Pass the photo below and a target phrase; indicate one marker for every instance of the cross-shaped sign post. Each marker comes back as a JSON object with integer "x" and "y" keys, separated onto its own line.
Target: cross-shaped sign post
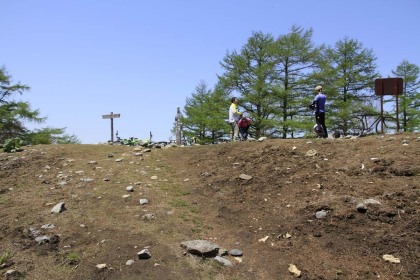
{"x": 111, "y": 116}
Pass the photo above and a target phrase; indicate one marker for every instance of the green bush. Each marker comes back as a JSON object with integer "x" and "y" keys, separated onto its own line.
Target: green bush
{"x": 12, "y": 145}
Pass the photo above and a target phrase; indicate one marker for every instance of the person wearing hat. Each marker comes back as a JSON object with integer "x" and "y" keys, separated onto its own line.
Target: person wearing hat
{"x": 318, "y": 104}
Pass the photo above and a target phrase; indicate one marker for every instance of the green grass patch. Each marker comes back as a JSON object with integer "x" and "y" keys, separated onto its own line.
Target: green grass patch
{"x": 5, "y": 257}
{"x": 73, "y": 258}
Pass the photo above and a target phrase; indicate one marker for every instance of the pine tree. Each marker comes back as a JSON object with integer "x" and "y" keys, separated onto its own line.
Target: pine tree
{"x": 409, "y": 104}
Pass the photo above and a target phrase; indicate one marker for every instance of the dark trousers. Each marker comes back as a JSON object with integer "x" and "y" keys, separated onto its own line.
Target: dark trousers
{"x": 320, "y": 119}
{"x": 244, "y": 132}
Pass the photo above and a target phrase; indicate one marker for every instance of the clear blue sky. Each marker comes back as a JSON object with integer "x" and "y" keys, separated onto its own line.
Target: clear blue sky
{"x": 142, "y": 59}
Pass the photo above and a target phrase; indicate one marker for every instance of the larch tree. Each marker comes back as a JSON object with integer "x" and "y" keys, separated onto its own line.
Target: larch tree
{"x": 409, "y": 104}
{"x": 251, "y": 76}
{"x": 14, "y": 113}
{"x": 296, "y": 57}
{"x": 347, "y": 74}
{"x": 205, "y": 113}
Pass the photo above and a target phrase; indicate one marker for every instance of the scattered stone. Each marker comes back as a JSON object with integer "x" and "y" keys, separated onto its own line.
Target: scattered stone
{"x": 106, "y": 179}
{"x": 287, "y": 235}
{"x": 48, "y": 226}
{"x": 110, "y": 155}
{"x": 42, "y": 239}
{"x": 239, "y": 260}
{"x": 361, "y": 208}
{"x": 311, "y": 153}
{"x": 375, "y": 159}
{"x": 223, "y": 261}
{"x": 119, "y": 160}
{"x": 186, "y": 180}
{"x": 371, "y": 201}
{"x": 13, "y": 274}
{"x": 321, "y": 214}
{"x": 129, "y": 262}
{"x": 143, "y": 201}
{"x": 126, "y": 196}
{"x": 92, "y": 162}
{"x": 391, "y": 258}
{"x": 149, "y": 216}
{"x": 245, "y": 177}
{"x": 261, "y": 139}
{"x": 59, "y": 208}
{"x": 61, "y": 183}
{"x": 201, "y": 248}
{"x": 405, "y": 142}
{"x": 154, "y": 177}
{"x": 264, "y": 239}
{"x": 222, "y": 252}
{"x": 236, "y": 252}
{"x": 294, "y": 270}
{"x": 129, "y": 188}
{"x": 144, "y": 254}
{"x": 101, "y": 266}
{"x": 86, "y": 180}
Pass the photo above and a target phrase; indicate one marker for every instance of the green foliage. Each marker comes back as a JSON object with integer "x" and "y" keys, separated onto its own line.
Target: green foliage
{"x": 12, "y": 145}
{"x": 5, "y": 257}
{"x": 51, "y": 136}
{"x": 13, "y": 114}
{"x": 408, "y": 102}
{"x": 347, "y": 72}
{"x": 274, "y": 80}
{"x": 205, "y": 114}
{"x": 73, "y": 258}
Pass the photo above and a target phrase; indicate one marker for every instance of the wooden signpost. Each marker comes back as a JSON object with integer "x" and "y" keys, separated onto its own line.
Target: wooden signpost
{"x": 389, "y": 86}
{"x": 111, "y": 116}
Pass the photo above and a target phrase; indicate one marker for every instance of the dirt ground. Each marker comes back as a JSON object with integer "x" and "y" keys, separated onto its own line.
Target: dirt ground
{"x": 264, "y": 198}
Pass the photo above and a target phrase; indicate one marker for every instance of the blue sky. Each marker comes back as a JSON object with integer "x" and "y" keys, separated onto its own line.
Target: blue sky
{"x": 142, "y": 59}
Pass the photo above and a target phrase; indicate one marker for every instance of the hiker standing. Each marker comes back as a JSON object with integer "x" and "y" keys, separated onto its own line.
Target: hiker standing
{"x": 319, "y": 105}
{"x": 234, "y": 116}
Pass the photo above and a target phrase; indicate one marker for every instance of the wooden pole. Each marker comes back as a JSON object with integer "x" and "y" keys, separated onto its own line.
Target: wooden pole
{"x": 111, "y": 116}
{"x": 382, "y": 114}
{"x": 398, "y": 123}
{"x": 112, "y": 129}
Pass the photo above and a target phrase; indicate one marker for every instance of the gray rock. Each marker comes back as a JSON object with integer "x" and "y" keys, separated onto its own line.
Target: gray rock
{"x": 144, "y": 254}
{"x": 371, "y": 201}
{"x": 48, "y": 226}
{"x": 143, "y": 201}
{"x": 13, "y": 274}
{"x": 224, "y": 261}
{"x": 149, "y": 216}
{"x": 245, "y": 177}
{"x": 236, "y": 252}
{"x": 321, "y": 214}
{"x": 42, "y": 239}
{"x": 86, "y": 180}
{"x": 129, "y": 262}
{"x": 59, "y": 208}
{"x": 129, "y": 188}
{"x": 201, "y": 248}
{"x": 361, "y": 208}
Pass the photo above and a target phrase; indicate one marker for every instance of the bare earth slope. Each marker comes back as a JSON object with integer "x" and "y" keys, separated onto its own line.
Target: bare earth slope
{"x": 200, "y": 193}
